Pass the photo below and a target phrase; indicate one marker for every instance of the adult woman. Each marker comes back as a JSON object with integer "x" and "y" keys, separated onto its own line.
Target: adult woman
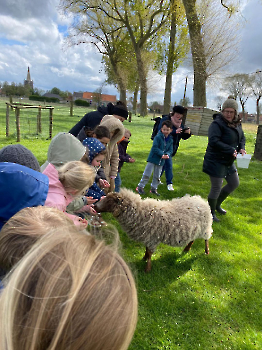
{"x": 225, "y": 140}
{"x": 92, "y": 119}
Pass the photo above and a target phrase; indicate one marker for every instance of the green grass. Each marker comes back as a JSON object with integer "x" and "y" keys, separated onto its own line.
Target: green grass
{"x": 191, "y": 301}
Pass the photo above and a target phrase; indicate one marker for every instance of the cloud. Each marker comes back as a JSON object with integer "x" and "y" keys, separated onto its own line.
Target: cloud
{"x": 33, "y": 33}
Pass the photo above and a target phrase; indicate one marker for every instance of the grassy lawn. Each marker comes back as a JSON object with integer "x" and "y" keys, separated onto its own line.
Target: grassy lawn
{"x": 191, "y": 301}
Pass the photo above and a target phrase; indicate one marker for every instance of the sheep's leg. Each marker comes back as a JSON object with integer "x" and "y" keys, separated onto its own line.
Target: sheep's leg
{"x": 206, "y": 247}
{"x": 148, "y": 264}
{"x": 146, "y": 256}
{"x": 188, "y": 247}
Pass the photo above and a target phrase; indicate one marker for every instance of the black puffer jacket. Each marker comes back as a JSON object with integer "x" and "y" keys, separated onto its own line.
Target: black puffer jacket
{"x": 91, "y": 119}
{"x": 223, "y": 140}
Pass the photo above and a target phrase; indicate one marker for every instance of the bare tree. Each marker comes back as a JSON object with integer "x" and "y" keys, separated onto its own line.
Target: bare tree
{"x": 238, "y": 86}
{"x": 141, "y": 20}
{"x": 213, "y": 40}
{"x": 255, "y": 83}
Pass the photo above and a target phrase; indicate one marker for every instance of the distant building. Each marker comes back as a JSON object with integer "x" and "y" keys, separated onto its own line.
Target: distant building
{"x": 28, "y": 80}
{"x": 92, "y": 97}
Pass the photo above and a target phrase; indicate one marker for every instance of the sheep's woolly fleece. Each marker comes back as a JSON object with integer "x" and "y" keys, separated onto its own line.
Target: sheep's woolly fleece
{"x": 174, "y": 222}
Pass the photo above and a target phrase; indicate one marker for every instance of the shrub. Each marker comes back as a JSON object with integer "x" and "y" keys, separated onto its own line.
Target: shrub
{"x": 44, "y": 98}
{"x": 82, "y": 103}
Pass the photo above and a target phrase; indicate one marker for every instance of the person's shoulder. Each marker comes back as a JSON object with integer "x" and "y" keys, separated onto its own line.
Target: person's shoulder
{"x": 217, "y": 116}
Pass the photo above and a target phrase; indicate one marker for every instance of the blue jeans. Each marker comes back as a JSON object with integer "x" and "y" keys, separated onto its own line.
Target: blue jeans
{"x": 168, "y": 169}
{"x": 117, "y": 182}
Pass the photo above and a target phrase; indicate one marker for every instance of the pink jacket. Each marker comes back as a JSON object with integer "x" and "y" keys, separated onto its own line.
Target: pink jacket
{"x": 57, "y": 196}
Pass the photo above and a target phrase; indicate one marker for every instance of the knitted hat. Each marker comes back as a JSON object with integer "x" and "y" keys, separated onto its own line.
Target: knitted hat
{"x": 230, "y": 103}
{"x": 120, "y": 110}
{"x": 94, "y": 146}
{"x": 179, "y": 109}
{"x": 19, "y": 154}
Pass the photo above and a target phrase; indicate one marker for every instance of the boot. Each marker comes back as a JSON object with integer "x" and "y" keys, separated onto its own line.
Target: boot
{"x": 212, "y": 203}
{"x": 223, "y": 195}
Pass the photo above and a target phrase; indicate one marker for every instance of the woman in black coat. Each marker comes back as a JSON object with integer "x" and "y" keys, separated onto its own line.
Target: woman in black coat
{"x": 225, "y": 140}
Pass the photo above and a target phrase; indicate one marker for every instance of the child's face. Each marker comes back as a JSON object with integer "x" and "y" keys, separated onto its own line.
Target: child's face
{"x": 104, "y": 140}
{"x": 97, "y": 160}
{"x": 165, "y": 130}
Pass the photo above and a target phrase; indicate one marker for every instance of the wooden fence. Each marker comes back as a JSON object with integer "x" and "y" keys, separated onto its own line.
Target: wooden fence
{"x": 18, "y": 107}
{"x": 199, "y": 119}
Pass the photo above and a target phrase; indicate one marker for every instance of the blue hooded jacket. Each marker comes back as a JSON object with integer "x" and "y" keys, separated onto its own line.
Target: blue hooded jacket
{"x": 20, "y": 187}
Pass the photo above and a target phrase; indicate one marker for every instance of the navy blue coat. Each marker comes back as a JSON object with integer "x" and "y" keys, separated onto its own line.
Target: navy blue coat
{"x": 161, "y": 146}
{"x": 91, "y": 120}
{"x": 223, "y": 140}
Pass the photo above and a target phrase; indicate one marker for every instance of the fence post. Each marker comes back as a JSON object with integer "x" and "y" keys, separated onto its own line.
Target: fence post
{"x": 71, "y": 108}
{"x": 17, "y": 119}
{"x": 7, "y": 120}
{"x": 50, "y": 122}
{"x": 39, "y": 121}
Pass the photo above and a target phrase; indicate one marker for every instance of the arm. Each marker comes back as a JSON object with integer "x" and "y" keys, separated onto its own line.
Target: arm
{"x": 76, "y": 204}
{"x": 76, "y": 129}
{"x": 114, "y": 160}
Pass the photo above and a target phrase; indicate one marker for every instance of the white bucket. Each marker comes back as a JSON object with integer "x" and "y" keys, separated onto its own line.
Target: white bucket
{"x": 243, "y": 160}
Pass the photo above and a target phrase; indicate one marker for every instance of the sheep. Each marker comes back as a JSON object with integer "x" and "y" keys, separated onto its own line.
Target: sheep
{"x": 177, "y": 222}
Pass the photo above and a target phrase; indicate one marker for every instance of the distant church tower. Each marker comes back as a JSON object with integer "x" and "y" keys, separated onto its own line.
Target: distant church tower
{"x": 28, "y": 80}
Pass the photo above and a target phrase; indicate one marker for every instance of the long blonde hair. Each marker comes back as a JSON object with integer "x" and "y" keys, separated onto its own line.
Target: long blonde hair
{"x": 76, "y": 175}
{"x": 23, "y": 229}
{"x": 70, "y": 292}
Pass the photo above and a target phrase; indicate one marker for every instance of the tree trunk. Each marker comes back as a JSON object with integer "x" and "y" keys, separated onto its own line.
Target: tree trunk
{"x": 258, "y": 112}
{"x": 122, "y": 95}
{"x": 142, "y": 81}
{"x": 258, "y": 146}
{"x": 198, "y": 53}
{"x": 135, "y": 99}
{"x": 170, "y": 63}
{"x": 120, "y": 82}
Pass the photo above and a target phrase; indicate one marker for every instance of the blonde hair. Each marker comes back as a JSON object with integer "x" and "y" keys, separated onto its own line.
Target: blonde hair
{"x": 76, "y": 175}
{"x": 70, "y": 292}
{"x": 23, "y": 229}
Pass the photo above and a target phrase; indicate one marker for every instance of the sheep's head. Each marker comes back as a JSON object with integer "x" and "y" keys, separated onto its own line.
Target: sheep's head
{"x": 111, "y": 203}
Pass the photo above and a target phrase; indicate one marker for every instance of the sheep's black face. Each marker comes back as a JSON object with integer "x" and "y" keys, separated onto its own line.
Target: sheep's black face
{"x": 107, "y": 204}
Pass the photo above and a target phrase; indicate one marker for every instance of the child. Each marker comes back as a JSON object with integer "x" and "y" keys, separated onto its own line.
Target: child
{"x": 162, "y": 149}
{"x": 68, "y": 181}
{"x": 110, "y": 163}
{"x": 20, "y": 187}
{"x": 97, "y": 152}
{"x": 23, "y": 230}
{"x": 123, "y": 157}
{"x": 19, "y": 154}
{"x": 103, "y": 135}
{"x": 69, "y": 291}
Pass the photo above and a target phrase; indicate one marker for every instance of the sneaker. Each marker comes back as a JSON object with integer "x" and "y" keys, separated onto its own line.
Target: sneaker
{"x": 160, "y": 182}
{"x": 140, "y": 190}
{"x": 170, "y": 187}
{"x": 153, "y": 191}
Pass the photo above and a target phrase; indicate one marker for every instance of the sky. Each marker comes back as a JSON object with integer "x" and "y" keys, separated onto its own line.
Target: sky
{"x": 33, "y": 34}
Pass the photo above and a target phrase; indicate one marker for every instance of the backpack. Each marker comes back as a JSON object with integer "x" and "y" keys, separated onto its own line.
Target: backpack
{"x": 155, "y": 127}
